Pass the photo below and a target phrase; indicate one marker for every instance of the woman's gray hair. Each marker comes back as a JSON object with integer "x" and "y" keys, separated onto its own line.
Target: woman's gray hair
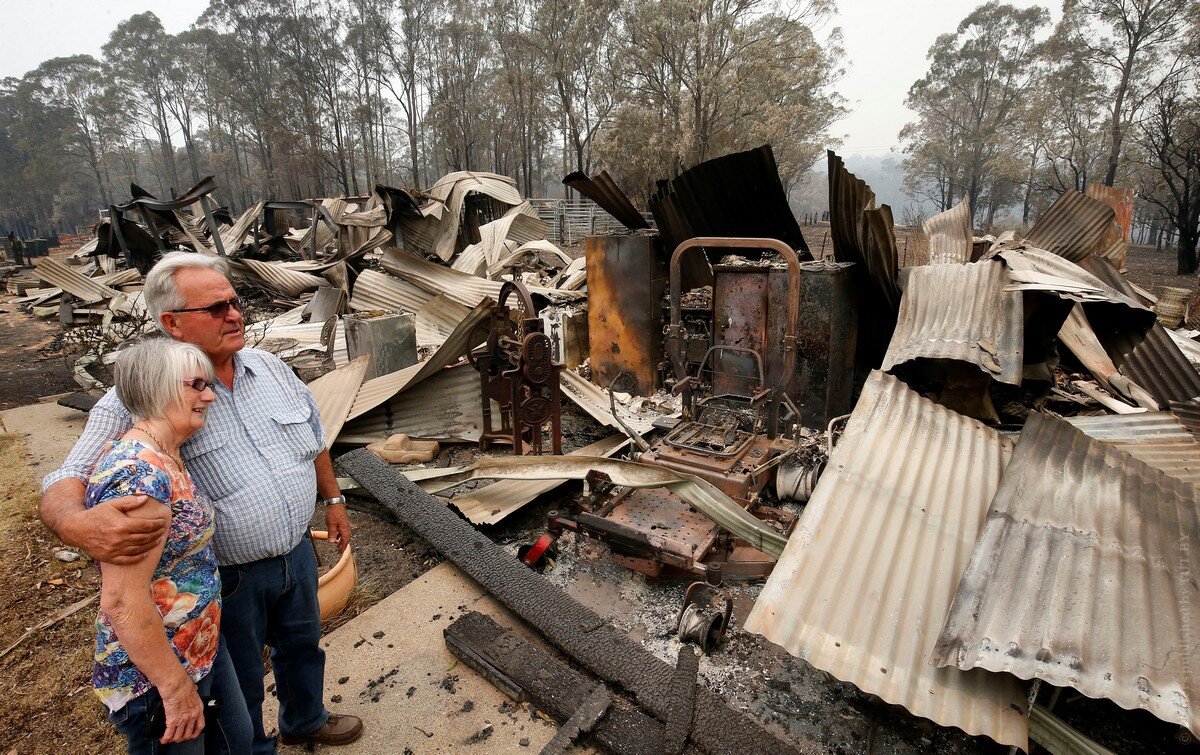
{"x": 149, "y": 376}
{"x": 160, "y": 292}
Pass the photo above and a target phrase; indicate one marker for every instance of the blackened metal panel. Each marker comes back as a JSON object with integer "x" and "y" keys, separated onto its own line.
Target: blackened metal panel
{"x": 826, "y": 338}
{"x": 602, "y": 190}
{"x": 740, "y": 307}
{"x": 627, "y": 278}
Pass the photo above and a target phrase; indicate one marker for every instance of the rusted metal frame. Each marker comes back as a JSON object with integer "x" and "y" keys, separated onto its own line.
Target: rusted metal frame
{"x": 674, "y": 329}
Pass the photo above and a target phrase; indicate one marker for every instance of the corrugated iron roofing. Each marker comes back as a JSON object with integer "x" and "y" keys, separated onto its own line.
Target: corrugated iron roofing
{"x": 950, "y": 237}
{"x": 1072, "y": 227}
{"x": 492, "y": 503}
{"x": 959, "y": 312}
{"x": 874, "y": 560}
{"x": 451, "y": 191}
{"x": 1159, "y": 439}
{"x": 334, "y": 393}
{"x": 602, "y": 190}
{"x": 376, "y": 290}
{"x": 738, "y": 194}
{"x": 1153, "y": 361}
{"x": 465, "y": 289}
{"x": 445, "y": 407}
{"x": 438, "y": 319}
{"x": 290, "y": 283}
{"x": 1083, "y": 576}
{"x": 60, "y": 276}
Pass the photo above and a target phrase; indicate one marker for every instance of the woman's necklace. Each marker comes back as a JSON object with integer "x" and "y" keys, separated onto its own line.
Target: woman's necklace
{"x": 163, "y": 447}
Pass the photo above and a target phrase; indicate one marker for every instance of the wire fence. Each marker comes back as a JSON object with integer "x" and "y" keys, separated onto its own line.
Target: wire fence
{"x": 573, "y": 220}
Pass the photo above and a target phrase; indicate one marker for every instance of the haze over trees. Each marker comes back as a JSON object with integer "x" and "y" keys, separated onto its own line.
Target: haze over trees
{"x": 1012, "y": 112}
{"x": 287, "y": 99}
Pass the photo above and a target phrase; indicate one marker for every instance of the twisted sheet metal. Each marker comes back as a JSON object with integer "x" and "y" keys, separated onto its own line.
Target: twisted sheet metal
{"x": 290, "y": 283}
{"x": 949, "y": 310}
{"x": 444, "y": 407}
{"x": 1114, "y": 244}
{"x": 492, "y": 503}
{"x": 378, "y": 390}
{"x": 950, "y": 238}
{"x": 334, "y": 393}
{"x": 1072, "y": 227}
{"x": 88, "y": 290}
{"x": 872, "y": 564}
{"x": 1083, "y": 576}
{"x": 375, "y": 290}
{"x": 451, "y": 192}
{"x": 437, "y": 320}
{"x": 1152, "y": 360}
{"x": 465, "y": 289}
{"x": 602, "y": 190}
{"x": 1159, "y": 439}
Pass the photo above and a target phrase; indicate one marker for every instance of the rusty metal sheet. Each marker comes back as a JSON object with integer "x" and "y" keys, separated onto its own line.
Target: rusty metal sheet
{"x": 960, "y": 312}
{"x": 950, "y": 237}
{"x": 1072, "y": 227}
{"x": 1114, "y": 244}
{"x": 741, "y": 304}
{"x": 334, "y": 393}
{"x": 602, "y": 190}
{"x": 1083, "y": 576}
{"x": 492, "y": 503}
{"x": 826, "y": 340}
{"x": 627, "y": 277}
{"x": 891, "y": 525}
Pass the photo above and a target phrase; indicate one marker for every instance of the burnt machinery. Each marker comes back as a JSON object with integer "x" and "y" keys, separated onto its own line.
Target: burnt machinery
{"x": 518, "y": 373}
{"x": 738, "y": 425}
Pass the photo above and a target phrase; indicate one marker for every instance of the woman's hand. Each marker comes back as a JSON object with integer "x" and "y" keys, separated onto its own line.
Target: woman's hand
{"x": 185, "y": 714}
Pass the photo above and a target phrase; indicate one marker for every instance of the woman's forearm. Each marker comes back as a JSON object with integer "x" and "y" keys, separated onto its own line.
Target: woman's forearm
{"x": 138, "y": 626}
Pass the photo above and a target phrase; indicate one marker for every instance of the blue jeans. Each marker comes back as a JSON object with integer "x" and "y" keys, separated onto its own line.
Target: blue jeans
{"x": 273, "y": 602}
{"x": 227, "y": 731}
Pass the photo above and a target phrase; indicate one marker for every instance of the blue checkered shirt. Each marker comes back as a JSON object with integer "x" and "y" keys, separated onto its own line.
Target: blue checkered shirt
{"x": 253, "y": 458}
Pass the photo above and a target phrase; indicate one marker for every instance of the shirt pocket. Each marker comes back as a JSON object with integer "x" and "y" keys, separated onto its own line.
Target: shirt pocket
{"x": 212, "y": 470}
{"x": 297, "y": 443}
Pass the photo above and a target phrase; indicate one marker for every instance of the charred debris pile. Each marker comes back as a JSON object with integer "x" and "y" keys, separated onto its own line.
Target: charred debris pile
{"x": 967, "y": 484}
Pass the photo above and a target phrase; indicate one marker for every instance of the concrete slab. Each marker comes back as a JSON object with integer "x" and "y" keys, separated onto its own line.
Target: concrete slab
{"x": 411, "y": 693}
{"x": 49, "y": 429}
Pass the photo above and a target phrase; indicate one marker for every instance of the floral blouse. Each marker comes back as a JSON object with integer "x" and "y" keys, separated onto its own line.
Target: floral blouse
{"x": 186, "y": 587}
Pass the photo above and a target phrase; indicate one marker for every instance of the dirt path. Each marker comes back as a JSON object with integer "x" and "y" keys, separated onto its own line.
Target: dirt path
{"x": 28, "y": 374}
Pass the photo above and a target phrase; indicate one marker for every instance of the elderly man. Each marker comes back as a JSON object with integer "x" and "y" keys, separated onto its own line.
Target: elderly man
{"x": 261, "y": 460}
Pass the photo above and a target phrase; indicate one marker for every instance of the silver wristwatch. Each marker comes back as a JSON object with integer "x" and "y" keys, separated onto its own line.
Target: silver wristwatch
{"x": 333, "y": 501}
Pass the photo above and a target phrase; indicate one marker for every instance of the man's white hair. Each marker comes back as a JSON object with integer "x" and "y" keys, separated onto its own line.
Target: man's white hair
{"x": 149, "y": 376}
{"x": 161, "y": 294}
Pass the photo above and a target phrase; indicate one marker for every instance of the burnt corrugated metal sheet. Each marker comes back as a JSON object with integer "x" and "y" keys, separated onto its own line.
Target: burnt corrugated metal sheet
{"x": 1072, "y": 227}
{"x": 738, "y": 194}
{"x": 1159, "y": 439}
{"x": 960, "y": 312}
{"x": 375, "y": 290}
{"x": 334, "y": 393}
{"x": 950, "y": 237}
{"x": 873, "y": 562}
{"x": 287, "y": 282}
{"x": 465, "y": 289}
{"x": 1083, "y": 576}
{"x": 451, "y": 192}
{"x": 865, "y": 235}
{"x": 57, "y": 274}
{"x": 1153, "y": 361}
{"x": 1114, "y": 245}
{"x": 492, "y": 503}
{"x": 438, "y": 319}
{"x": 378, "y": 390}
{"x": 602, "y": 190}
{"x": 445, "y": 407}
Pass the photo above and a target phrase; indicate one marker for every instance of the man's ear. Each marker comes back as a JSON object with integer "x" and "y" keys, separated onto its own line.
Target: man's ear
{"x": 170, "y": 321}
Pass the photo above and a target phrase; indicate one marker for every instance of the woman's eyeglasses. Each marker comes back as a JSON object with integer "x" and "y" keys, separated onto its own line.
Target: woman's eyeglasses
{"x": 217, "y": 310}
{"x": 198, "y": 384}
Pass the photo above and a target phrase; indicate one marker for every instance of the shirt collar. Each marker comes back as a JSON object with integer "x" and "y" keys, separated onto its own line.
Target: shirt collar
{"x": 242, "y": 365}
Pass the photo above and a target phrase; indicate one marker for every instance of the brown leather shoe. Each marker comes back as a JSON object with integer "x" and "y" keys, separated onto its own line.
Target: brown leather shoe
{"x": 338, "y": 730}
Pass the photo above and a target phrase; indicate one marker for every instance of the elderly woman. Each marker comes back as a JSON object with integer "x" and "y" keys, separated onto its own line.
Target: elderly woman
{"x": 161, "y": 668}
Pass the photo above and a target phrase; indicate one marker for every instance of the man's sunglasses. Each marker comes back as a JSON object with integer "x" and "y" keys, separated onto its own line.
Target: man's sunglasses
{"x": 198, "y": 384}
{"x": 219, "y": 309}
